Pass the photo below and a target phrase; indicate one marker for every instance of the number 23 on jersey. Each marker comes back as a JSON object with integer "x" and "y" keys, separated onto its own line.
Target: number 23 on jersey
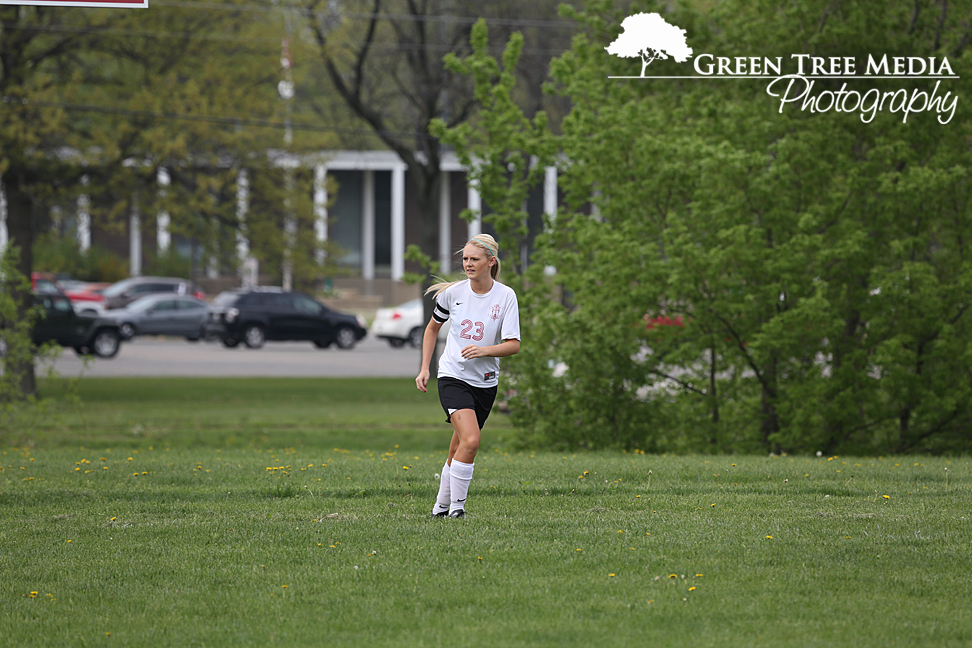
{"x": 467, "y": 326}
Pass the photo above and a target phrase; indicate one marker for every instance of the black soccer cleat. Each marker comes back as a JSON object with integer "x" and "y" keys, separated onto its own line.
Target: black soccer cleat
{"x": 441, "y": 514}
{"x": 457, "y": 514}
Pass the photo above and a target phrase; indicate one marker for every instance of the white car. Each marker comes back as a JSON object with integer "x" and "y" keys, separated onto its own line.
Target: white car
{"x": 400, "y": 324}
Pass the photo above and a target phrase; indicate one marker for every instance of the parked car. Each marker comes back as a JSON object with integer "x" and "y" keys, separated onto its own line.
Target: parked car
{"x": 86, "y": 297}
{"x": 84, "y": 333}
{"x": 44, "y": 283}
{"x": 165, "y": 314}
{"x": 126, "y": 291}
{"x": 400, "y": 325}
{"x": 658, "y": 321}
{"x": 253, "y": 316}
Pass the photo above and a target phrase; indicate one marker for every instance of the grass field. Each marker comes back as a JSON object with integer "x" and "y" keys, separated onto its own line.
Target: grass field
{"x": 223, "y": 513}
{"x": 355, "y": 413}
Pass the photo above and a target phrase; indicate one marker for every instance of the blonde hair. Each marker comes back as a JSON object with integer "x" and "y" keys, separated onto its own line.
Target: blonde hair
{"x": 484, "y": 242}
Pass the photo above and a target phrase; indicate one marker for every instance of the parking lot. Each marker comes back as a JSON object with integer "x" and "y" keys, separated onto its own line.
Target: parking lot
{"x": 154, "y": 356}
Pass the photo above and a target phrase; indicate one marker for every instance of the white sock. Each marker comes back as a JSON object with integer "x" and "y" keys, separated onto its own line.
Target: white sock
{"x": 461, "y": 474}
{"x": 442, "y": 500}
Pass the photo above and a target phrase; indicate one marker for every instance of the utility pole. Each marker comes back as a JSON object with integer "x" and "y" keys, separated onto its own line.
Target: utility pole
{"x": 286, "y": 90}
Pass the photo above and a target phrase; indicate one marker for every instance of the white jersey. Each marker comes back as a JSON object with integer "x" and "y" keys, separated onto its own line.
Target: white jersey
{"x": 483, "y": 320}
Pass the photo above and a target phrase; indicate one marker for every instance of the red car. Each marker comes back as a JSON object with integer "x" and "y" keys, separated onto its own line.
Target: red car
{"x": 663, "y": 320}
{"x": 85, "y": 297}
{"x": 44, "y": 283}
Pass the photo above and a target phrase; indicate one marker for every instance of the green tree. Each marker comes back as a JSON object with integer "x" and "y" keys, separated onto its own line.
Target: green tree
{"x": 387, "y": 65}
{"x": 98, "y": 101}
{"x": 16, "y": 347}
{"x": 817, "y": 262}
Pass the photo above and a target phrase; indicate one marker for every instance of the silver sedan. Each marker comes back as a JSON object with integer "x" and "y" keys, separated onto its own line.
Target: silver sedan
{"x": 177, "y": 315}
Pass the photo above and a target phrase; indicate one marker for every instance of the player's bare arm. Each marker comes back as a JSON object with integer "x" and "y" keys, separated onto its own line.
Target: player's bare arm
{"x": 428, "y": 346}
{"x": 503, "y": 350}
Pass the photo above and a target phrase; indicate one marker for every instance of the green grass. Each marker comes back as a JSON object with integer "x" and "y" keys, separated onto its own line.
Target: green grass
{"x": 359, "y": 413}
{"x": 159, "y": 541}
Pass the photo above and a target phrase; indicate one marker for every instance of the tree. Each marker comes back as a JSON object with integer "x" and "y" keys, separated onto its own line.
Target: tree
{"x": 392, "y": 76}
{"x": 648, "y": 36}
{"x": 98, "y": 101}
{"x": 818, "y": 262}
{"x": 16, "y": 345}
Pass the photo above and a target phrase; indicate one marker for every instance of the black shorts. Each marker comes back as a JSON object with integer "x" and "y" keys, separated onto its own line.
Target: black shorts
{"x": 455, "y": 394}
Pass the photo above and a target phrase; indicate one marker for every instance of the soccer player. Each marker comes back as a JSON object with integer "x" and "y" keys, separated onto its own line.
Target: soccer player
{"x": 485, "y": 327}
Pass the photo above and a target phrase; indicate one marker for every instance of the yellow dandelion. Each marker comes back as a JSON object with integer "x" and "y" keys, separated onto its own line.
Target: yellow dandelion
{"x": 611, "y": 575}
{"x": 692, "y": 589}
{"x": 886, "y": 496}
{"x": 769, "y": 537}
{"x": 698, "y": 575}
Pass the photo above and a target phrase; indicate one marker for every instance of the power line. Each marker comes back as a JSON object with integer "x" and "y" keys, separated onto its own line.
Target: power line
{"x": 224, "y": 121}
{"x": 461, "y": 20}
{"x": 67, "y": 29}
{"x": 530, "y": 51}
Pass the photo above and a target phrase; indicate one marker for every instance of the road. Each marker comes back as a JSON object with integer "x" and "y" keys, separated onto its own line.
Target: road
{"x": 154, "y": 356}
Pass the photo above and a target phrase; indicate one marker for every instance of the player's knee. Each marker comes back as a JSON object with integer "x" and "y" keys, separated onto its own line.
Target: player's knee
{"x": 468, "y": 428}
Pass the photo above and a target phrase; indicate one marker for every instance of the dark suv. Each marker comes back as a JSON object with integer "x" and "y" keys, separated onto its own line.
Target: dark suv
{"x": 253, "y": 316}
{"x": 84, "y": 333}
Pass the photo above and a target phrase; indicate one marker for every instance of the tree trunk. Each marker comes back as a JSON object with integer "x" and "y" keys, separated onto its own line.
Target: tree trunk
{"x": 20, "y": 229}
{"x": 770, "y": 417}
{"x": 713, "y": 396}
{"x": 425, "y": 183}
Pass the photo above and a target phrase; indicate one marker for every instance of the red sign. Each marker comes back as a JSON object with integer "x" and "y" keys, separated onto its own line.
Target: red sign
{"x": 132, "y": 4}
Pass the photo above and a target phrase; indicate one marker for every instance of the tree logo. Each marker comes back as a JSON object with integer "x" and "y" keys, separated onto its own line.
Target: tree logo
{"x": 648, "y": 36}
